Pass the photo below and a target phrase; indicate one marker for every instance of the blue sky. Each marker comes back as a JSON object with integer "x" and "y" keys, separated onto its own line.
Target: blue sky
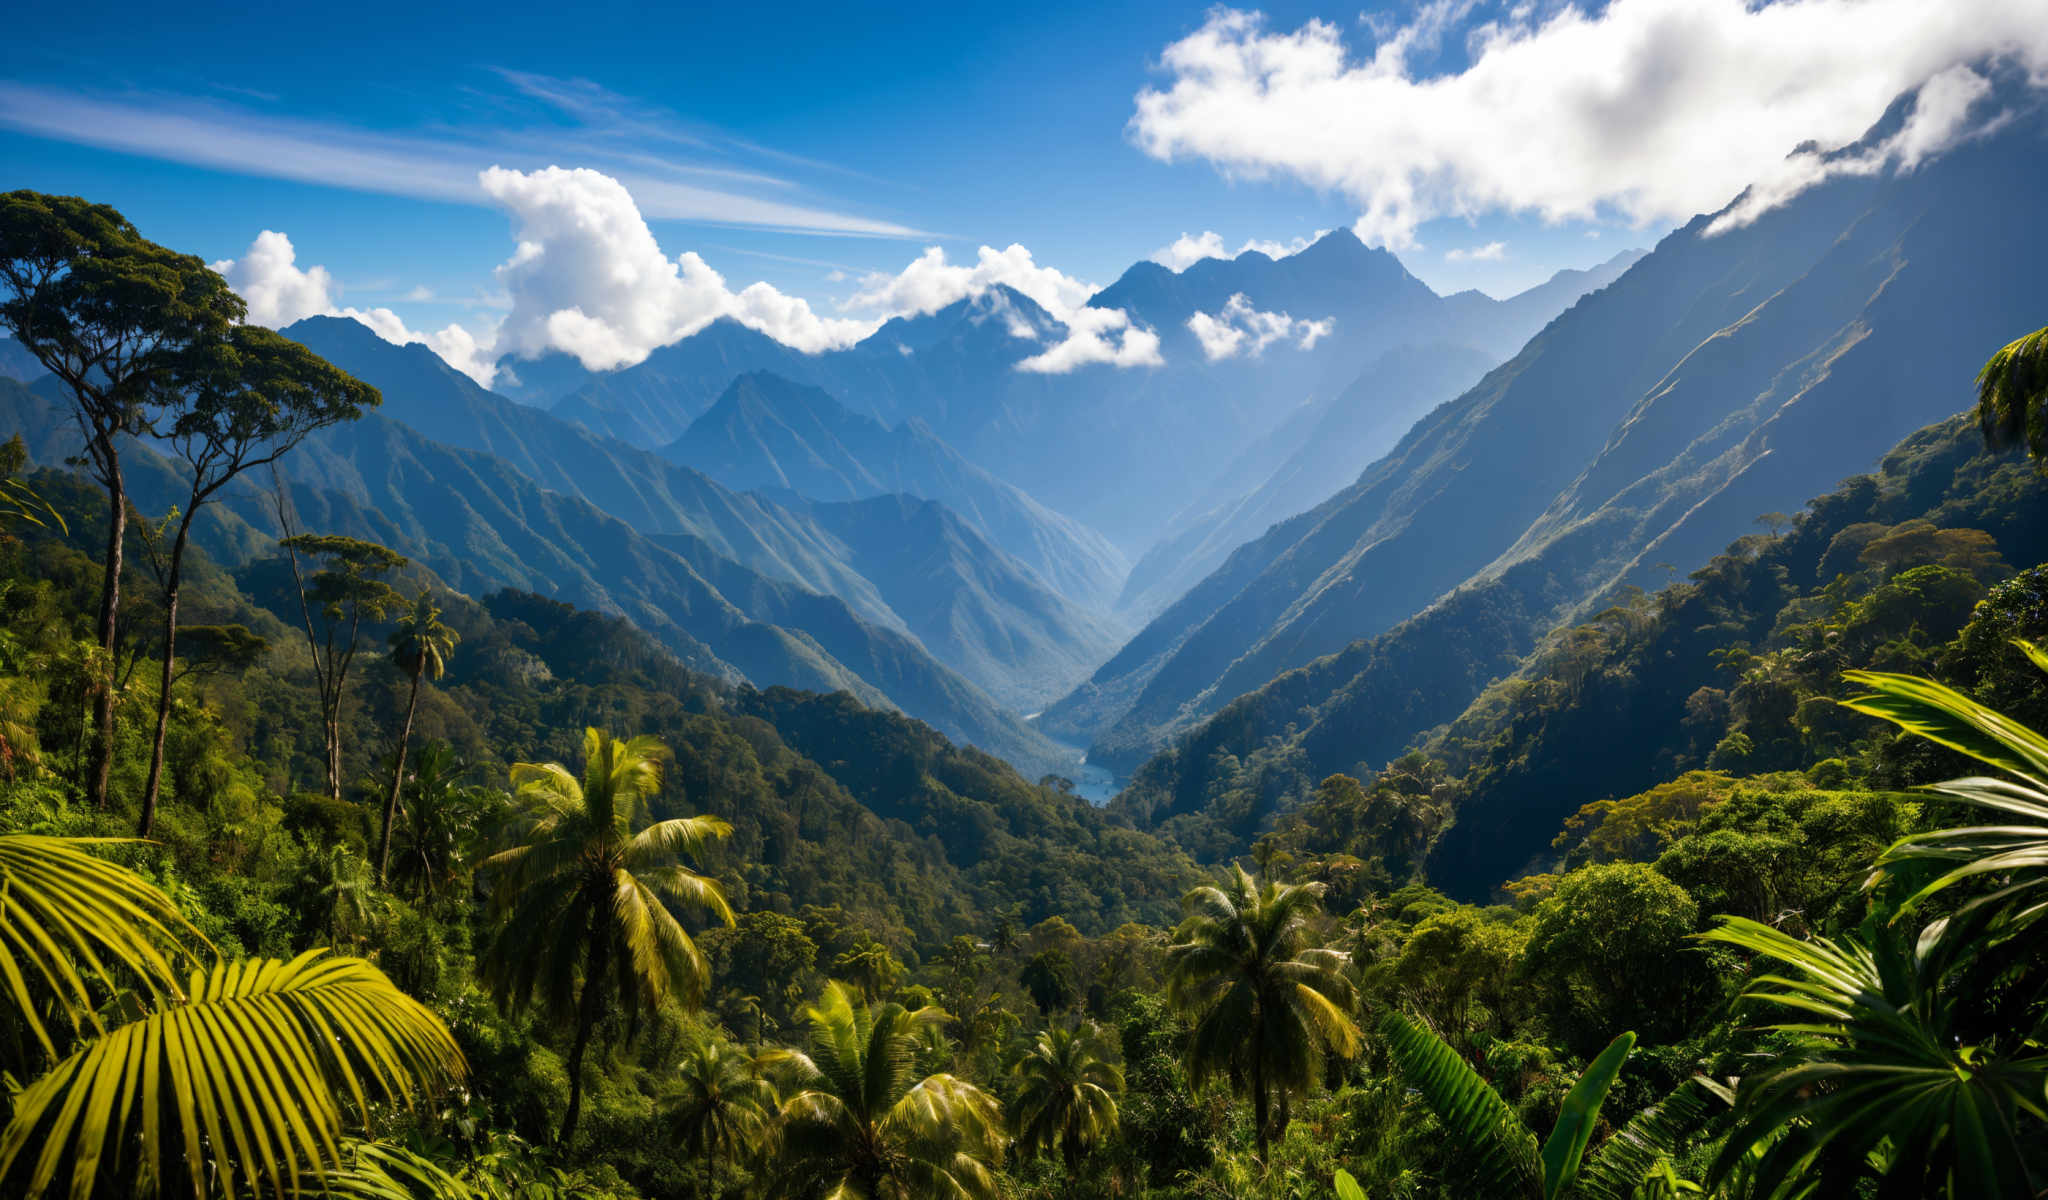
{"x": 808, "y": 146}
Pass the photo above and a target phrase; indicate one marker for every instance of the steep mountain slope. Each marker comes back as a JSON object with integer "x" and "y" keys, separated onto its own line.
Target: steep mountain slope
{"x": 1727, "y": 373}
{"x": 767, "y": 433}
{"x": 975, "y": 608}
{"x": 482, "y": 525}
{"x": 715, "y": 528}
{"x": 1357, "y": 424}
{"x": 18, "y": 364}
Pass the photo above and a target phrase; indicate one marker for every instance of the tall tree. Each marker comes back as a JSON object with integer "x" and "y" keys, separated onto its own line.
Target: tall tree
{"x": 584, "y": 894}
{"x": 2012, "y": 396}
{"x": 245, "y": 400}
{"x": 1066, "y": 1094}
{"x": 110, "y": 314}
{"x": 858, "y": 1125}
{"x": 724, "y": 1105}
{"x": 1268, "y": 1005}
{"x": 420, "y": 647}
{"x": 345, "y": 593}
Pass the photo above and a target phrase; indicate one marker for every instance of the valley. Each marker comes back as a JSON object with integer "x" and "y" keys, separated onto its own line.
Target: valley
{"x": 652, "y": 648}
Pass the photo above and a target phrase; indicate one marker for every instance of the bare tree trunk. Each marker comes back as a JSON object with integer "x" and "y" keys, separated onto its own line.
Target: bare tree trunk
{"x": 99, "y": 767}
{"x": 397, "y": 779}
{"x": 165, "y": 679}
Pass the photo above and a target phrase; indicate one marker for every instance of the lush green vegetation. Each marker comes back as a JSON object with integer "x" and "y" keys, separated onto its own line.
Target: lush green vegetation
{"x": 576, "y": 921}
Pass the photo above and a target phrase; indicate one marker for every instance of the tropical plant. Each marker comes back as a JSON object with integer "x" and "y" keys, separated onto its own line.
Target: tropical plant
{"x": 1879, "y": 1083}
{"x": 420, "y": 647}
{"x": 1498, "y": 1153}
{"x": 341, "y": 883}
{"x": 584, "y": 894}
{"x": 1066, "y": 1094}
{"x": 1267, "y": 1006}
{"x": 857, "y": 1125}
{"x": 2011, "y": 856}
{"x": 69, "y": 920}
{"x": 724, "y": 1105}
{"x": 2012, "y": 395}
{"x": 443, "y": 819}
{"x": 236, "y": 1078}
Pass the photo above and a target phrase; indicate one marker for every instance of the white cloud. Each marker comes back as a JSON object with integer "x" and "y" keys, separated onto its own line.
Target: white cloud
{"x": 1240, "y": 327}
{"x": 1939, "y": 117}
{"x": 1648, "y": 109}
{"x": 1097, "y": 335}
{"x": 589, "y": 279}
{"x": 1185, "y": 251}
{"x": 930, "y": 283}
{"x": 269, "y": 281}
{"x": 278, "y": 292}
{"x": 1490, "y": 252}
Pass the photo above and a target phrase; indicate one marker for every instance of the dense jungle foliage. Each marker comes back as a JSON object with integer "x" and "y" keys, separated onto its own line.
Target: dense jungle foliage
{"x": 451, "y": 897}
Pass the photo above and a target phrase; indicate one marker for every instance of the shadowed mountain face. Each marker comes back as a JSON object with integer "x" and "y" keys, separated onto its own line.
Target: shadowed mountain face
{"x": 1120, "y": 450}
{"x": 481, "y": 524}
{"x": 767, "y": 433}
{"x": 1728, "y": 373}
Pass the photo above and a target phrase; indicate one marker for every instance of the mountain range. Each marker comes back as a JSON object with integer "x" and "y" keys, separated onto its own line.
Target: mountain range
{"x": 1738, "y": 369}
{"x": 1120, "y": 450}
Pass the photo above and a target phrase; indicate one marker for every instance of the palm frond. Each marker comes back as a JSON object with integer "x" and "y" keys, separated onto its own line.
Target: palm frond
{"x": 2012, "y": 391}
{"x": 1652, "y": 1136}
{"x": 245, "y": 1072}
{"x": 68, "y": 917}
{"x": 1497, "y": 1152}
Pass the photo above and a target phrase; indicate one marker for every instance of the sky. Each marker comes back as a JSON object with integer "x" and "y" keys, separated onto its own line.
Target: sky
{"x": 506, "y": 179}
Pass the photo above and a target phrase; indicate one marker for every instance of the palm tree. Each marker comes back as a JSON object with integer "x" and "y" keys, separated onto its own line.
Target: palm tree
{"x": 236, "y": 1068}
{"x": 442, "y": 817}
{"x": 584, "y": 894}
{"x": 420, "y": 647}
{"x": 342, "y": 881}
{"x": 1066, "y": 1094}
{"x": 2012, "y": 395}
{"x": 1499, "y": 1154}
{"x": 857, "y": 1126}
{"x": 1267, "y": 1006}
{"x": 725, "y": 1104}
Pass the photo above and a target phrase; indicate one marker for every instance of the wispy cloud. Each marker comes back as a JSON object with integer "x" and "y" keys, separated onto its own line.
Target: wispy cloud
{"x": 421, "y": 166}
{"x": 1490, "y": 252}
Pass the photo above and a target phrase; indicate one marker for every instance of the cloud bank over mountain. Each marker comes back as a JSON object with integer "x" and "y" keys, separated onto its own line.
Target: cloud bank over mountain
{"x": 1650, "y": 110}
{"x": 588, "y": 278}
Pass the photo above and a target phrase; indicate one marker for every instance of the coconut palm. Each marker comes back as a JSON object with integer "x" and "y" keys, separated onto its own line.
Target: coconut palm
{"x": 1066, "y": 1094}
{"x": 341, "y": 880}
{"x": 2012, "y": 395}
{"x": 420, "y": 647}
{"x": 1500, "y": 1156}
{"x": 724, "y": 1105}
{"x": 857, "y": 1125}
{"x": 584, "y": 894}
{"x": 1268, "y": 1007}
